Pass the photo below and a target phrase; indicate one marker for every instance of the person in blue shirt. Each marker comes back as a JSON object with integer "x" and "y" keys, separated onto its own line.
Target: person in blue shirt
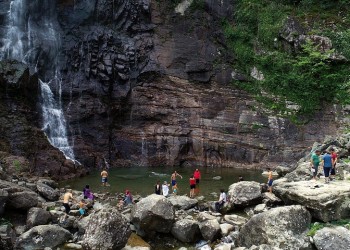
{"x": 327, "y": 165}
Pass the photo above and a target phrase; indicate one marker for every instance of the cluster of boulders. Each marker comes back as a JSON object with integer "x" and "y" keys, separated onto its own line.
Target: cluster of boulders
{"x": 250, "y": 219}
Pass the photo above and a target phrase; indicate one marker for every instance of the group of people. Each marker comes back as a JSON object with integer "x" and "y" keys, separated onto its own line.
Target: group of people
{"x": 328, "y": 160}
{"x": 164, "y": 188}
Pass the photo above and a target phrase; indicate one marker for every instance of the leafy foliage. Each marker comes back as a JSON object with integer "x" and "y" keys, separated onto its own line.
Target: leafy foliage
{"x": 296, "y": 84}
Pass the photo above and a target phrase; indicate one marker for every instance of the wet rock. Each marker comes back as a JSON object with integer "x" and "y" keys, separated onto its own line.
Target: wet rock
{"x": 210, "y": 229}
{"x": 107, "y": 229}
{"x": 153, "y": 214}
{"x": 329, "y": 238}
{"x": 326, "y": 202}
{"x": 37, "y": 216}
{"x": 186, "y": 230}
{"x": 182, "y": 202}
{"x": 43, "y": 236}
{"x": 245, "y": 193}
{"x": 283, "y": 227}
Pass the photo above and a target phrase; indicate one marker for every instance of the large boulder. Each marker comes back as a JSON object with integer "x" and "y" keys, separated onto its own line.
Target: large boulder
{"x": 186, "y": 230}
{"x": 37, "y": 216}
{"x": 155, "y": 213}
{"x": 182, "y": 202}
{"x": 48, "y": 192}
{"x": 18, "y": 197}
{"x": 23, "y": 200}
{"x": 283, "y": 227}
{"x": 330, "y": 238}
{"x": 43, "y": 236}
{"x": 244, "y": 193}
{"x": 210, "y": 229}
{"x": 325, "y": 202}
{"x": 107, "y": 229}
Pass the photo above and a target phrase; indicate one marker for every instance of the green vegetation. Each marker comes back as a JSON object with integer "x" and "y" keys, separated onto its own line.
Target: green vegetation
{"x": 314, "y": 227}
{"x": 17, "y": 165}
{"x": 296, "y": 81}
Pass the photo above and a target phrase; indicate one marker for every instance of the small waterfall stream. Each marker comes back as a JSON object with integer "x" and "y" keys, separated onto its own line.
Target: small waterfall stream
{"x": 32, "y": 38}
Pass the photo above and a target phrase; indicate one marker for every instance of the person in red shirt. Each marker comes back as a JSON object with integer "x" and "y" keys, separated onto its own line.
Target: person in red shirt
{"x": 197, "y": 175}
{"x": 192, "y": 186}
{"x": 334, "y": 162}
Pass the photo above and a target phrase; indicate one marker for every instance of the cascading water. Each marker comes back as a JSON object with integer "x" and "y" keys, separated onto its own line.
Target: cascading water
{"x": 32, "y": 37}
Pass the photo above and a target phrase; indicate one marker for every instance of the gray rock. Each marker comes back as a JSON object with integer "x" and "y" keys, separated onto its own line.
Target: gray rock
{"x": 226, "y": 228}
{"x": 186, "y": 230}
{"x": 271, "y": 200}
{"x": 43, "y": 236}
{"x": 283, "y": 170}
{"x": 82, "y": 224}
{"x": 3, "y": 198}
{"x": 329, "y": 238}
{"x": 7, "y": 237}
{"x": 107, "y": 229}
{"x": 283, "y": 227}
{"x": 210, "y": 229}
{"x": 245, "y": 193}
{"x": 23, "y": 200}
{"x": 153, "y": 214}
{"x": 235, "y": 220}
{"x": 325, "y": 202}
{"x": 182, "y": 202}
{"x": 37, "y": 216}
{"x": 48, "y": 192}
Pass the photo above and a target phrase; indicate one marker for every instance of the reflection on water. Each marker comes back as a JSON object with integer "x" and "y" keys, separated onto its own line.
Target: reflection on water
{"x": 141, "y": 180}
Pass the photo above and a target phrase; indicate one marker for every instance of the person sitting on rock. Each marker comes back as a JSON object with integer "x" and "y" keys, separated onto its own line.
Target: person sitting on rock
{"x": 82, "y": 210}
{"x": 87, "y": 193}
{"x": 128, "y": 198}
{"x": 120, "y": 204}
{"x": 222, "y": 199}
{"x": 175, "y": 189}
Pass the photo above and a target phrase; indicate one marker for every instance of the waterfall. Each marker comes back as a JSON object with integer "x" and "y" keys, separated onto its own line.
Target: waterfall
{"x": 32, "y": 38}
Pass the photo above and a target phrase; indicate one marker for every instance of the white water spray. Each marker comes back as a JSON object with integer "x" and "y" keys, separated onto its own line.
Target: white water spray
{"x": 31, "y": 38}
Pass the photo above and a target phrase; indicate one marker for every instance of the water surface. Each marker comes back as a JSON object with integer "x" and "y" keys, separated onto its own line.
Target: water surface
{"x": 141, "y": 180}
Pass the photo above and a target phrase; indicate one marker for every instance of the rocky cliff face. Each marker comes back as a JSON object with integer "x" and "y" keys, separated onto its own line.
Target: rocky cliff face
{"x": 147, "y": 83}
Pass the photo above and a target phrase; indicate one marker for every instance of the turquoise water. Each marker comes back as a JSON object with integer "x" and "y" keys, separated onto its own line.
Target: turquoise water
{"x": 141, "y": 180}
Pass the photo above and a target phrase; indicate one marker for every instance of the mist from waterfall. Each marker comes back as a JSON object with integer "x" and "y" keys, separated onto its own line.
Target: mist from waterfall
{"x": 32, "y": 37}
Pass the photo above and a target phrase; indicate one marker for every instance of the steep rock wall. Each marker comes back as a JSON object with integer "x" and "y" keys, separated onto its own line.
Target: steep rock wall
{"x": 148, "y": 86}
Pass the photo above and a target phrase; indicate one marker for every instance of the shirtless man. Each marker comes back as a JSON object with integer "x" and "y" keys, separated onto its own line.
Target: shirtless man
{"x": 66, "y": 197}
{"x": 173, "y": 179}
{"x": 104, "y": 176}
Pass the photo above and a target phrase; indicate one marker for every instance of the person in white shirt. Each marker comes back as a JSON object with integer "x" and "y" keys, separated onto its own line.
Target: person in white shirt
{"x": 220, "y": 203}
{"x": 165, "y": 189}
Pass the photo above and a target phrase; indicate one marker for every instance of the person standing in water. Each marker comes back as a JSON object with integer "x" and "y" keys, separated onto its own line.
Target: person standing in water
{"x": 165, "y": 189}
{"x": 197, "y": 175}
{"x": 157, "y": 188}
{"x": 104, "y": 176}
{"x": 173, "y": 179}
{"x": 192, "y": 186}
